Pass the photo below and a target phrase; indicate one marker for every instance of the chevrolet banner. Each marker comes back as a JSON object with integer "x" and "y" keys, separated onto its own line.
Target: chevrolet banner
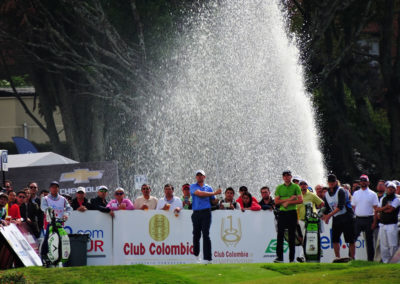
{"x": 70, "y": 176}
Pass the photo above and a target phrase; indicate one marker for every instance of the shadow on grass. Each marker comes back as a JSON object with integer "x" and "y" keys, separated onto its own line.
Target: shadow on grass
{"x": 295, "y": 268}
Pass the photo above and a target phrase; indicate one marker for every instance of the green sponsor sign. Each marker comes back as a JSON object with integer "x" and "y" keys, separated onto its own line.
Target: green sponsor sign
{"x": 272, "y": 246}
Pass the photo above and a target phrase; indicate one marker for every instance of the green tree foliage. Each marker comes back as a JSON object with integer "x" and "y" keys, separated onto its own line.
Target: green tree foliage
{"x": 351, "y": 94}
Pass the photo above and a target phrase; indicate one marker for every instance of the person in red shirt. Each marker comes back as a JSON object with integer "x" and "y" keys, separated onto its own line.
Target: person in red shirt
{"x": 242, "y": 190}
{"x": 14, "y": 211}
{"x": 247, "y": 202}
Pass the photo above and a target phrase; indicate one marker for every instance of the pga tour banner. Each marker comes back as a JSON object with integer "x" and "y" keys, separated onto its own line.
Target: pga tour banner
{"x": 159, "y": 237}
{"x": 98, "y": 226}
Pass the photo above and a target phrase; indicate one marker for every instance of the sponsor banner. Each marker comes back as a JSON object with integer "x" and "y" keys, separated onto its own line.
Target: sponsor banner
{"x": 152, "y": 237}
{"x": 158, "y": 237}
{"x": 70, "y": 176}
{"x": 20, "y": 245}
{"x": 98, "y": 226}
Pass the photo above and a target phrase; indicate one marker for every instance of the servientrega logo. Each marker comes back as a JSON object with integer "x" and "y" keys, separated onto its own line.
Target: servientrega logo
{"x": 272, "y": 246}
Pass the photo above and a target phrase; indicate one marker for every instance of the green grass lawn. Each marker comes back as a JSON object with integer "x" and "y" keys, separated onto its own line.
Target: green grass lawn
{"x": 354, "y": 272}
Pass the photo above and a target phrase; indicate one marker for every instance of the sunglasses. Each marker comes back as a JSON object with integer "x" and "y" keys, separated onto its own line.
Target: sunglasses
{"x": 302, "y": 183}
{"x": 33, "y": 187}
{"x": 21, "y": 196}
{"x": 363, "y": 179}
{"x": 103, "y": 190}
{"x": 119, "y": 193}
{"x": 8, "y": 186}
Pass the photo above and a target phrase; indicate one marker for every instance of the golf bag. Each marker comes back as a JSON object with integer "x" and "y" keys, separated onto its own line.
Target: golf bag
{"x": 58, "y": 241}
{"x": 312, "y": 238}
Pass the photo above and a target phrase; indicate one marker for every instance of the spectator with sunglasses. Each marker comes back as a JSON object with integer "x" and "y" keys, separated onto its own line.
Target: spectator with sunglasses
{"x": 100, "y": 203}
{"x": 120, "y": 203}
{"x": 33, "y": 188}
{"x": 146, "y": 201}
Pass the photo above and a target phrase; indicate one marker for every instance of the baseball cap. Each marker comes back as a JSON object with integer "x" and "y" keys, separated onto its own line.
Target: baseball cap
{"x": 120, "y": 189}
{"x": 286, "y": 172}
{"x": 3, "y": 195}
{"x": 200, "y": 172}
{"x": 304, "y": 181}
{"x": 102, "y": 187}
{"x": 396, "y": 182}
{"x": 391, "y": 184}
{"x": 364, "y": 177}
{"x": 296, "y": 178}
{"x": 332, "y": 177}
{"x": 81, "y": 189}
{"x": 54, "y": 182}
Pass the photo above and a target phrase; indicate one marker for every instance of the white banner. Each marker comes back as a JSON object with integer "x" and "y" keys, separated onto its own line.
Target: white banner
{"x": 99, "y": 227}
{"x": 20, "y": 245}
{"x": 158, "y": 237}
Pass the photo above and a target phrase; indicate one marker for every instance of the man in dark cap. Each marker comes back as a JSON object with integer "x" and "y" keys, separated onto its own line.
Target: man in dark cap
{"x": 287, "y": 196}
{"x": 338, "y": 206}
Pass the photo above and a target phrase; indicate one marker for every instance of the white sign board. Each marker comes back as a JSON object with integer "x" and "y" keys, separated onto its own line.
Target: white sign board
{"x": 20, "y": 245}
{"x": 158, "y": 237}
{"x": 98, "y": 226}
{"x": 4, "y": 160}
{"x": 140, "y": 180}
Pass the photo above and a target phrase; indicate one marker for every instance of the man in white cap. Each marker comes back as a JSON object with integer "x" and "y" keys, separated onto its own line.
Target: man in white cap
{"x": 80, "y": 202}
{"x": 388, "y": 211}
{"x": 202, "y": 196}
{"x": 365, "y": 201}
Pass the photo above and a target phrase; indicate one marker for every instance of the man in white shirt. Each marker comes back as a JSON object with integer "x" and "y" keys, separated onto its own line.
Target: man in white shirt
{"x": 169, "y": 202}
{"x": 388, "y": 216}
{"x": 365, "y": 201}
{"x": 146, "y": 201}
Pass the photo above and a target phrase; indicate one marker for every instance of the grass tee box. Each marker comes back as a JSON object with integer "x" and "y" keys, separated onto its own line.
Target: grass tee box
{"x": 353, "y": 272}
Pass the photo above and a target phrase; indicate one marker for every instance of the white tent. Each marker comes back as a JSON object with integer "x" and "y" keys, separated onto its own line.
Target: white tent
{"x": 37, "y": 159}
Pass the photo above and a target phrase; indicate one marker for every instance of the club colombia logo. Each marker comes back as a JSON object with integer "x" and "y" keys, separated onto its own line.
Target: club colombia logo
{"x": 230, "y": 235}
{"x": 81, "y": 175}
{"x": 159, "y": 227}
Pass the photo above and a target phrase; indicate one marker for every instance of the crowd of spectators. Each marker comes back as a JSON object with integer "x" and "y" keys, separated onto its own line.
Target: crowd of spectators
{"x": 354, "y": 208}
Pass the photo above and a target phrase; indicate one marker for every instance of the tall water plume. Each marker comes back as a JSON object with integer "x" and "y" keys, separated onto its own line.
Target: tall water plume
{"x": 233, "y": 103}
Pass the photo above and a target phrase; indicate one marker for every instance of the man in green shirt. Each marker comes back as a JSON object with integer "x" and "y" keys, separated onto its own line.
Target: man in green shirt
{"x": 287, "y": 196}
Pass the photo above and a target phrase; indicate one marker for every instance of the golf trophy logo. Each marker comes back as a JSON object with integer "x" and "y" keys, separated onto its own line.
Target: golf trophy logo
{"x": 231, "y": 235}
{"x": 159, "y": 227}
